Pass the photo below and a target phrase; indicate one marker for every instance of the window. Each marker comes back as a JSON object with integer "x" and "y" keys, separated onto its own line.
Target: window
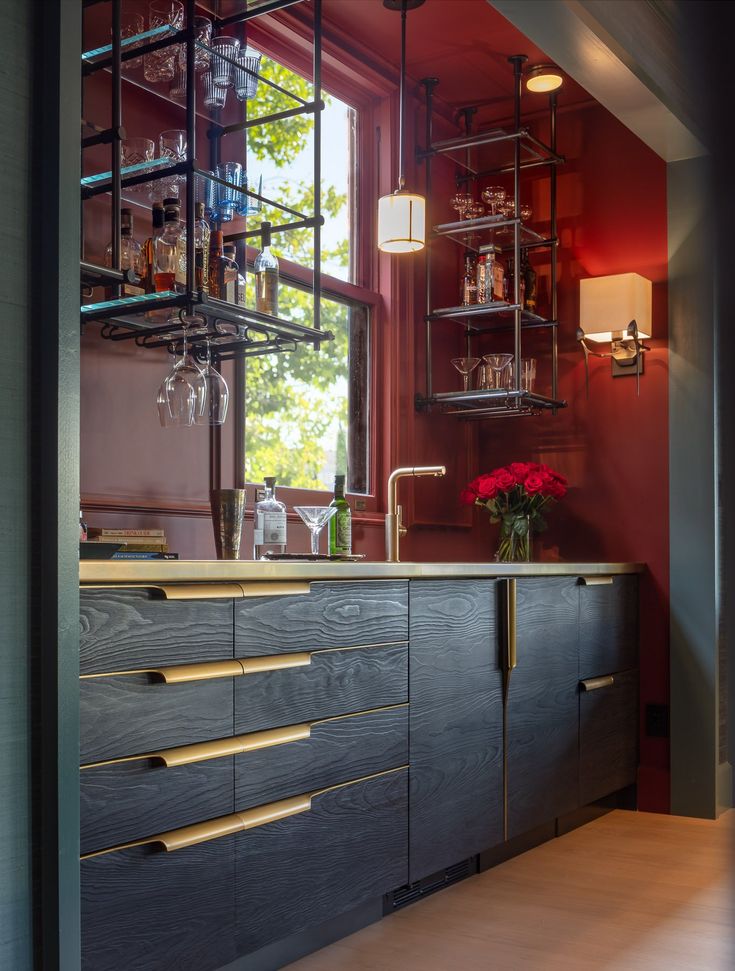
{"x": 306, "y": 415}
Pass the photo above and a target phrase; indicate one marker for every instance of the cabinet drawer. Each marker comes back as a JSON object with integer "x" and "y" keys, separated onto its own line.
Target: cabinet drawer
{"x": 336, "y": 750}
{"x": 125, "y": 801}
{"x": 331, "y": 615}
{"x": 331, "y": 683}
{"x": 148, "y": 910}
{"x": 351, "y": 846}
{"x": 608, "y": 736}
{"x": 121, "y": 630}
{"x": 132, "y": 714}
{"x": 608, "y": 626}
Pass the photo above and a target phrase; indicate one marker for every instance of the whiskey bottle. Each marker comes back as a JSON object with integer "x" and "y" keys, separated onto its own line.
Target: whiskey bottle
{"x": 218, "y": 264}
{"x": 531, "y": 280}
{"x": 234, "y": 280}
{"x": 269, "y": 526}
{"x": 468, "y": 286}
{"x": 148, "y": 256}
{"x": 166, "y": 248}
{"x": 266, "y": 275}
{"x": 201, "y": 252}
{"x": 340, "y": 525}
{"x": 130, "y": 255}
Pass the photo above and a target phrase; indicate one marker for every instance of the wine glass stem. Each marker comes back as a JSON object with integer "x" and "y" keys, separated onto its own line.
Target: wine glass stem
{"x": 466, "y": 379}
{"x": 315, "y": 542}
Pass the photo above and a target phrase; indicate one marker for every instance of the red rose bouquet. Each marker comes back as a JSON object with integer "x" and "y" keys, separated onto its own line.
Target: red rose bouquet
{"x": 516, "y": 496}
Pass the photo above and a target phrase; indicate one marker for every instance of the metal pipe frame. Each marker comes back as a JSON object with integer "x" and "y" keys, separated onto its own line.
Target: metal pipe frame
{"x": 116, "y": 125}
{"x": 260, "y": 11}
{"x": 554, "y": 250}
{"x": 429, "y": 85}
{"x": 317, "y": 98}
{"x": 517, "y": 60}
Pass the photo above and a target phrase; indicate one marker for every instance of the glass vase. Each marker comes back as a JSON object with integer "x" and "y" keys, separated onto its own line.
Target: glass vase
{"x": 515, "y": 541}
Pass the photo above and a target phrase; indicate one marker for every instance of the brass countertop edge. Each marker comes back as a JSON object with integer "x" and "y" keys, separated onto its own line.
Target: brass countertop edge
{"x": 204, "y": 571}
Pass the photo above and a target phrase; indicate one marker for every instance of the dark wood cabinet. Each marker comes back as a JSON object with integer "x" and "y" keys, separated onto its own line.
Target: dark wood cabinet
{"x": 608, "y": 625}
{"x": 608, "y": 735}
{"x": 542, "y": 715}
{"x": 455, "y": 723}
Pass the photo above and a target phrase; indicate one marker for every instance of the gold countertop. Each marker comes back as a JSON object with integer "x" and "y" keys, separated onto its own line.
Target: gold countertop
{"x": 219, "y": 571}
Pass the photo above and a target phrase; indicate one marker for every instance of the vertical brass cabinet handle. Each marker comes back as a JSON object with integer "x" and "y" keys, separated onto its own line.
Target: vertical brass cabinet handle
{"x": 594, "y": 684}
{"x": 510, "y": 619}
{"x": 596, "y": 581}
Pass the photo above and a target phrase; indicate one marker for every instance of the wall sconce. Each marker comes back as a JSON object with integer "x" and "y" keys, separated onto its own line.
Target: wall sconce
{"x": 616, "y": 310}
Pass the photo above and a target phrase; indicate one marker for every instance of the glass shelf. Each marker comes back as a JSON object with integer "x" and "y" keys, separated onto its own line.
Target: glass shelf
{"x": 499, "y": 315}
{"x": 473, "y": 233}
{"x": 496, "y": 403}
{"x": 492, "y": 152}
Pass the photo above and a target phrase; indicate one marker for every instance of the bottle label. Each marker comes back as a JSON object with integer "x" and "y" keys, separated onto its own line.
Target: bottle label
{"x": 270, "y": 528}
{"x": 343, "y": 532}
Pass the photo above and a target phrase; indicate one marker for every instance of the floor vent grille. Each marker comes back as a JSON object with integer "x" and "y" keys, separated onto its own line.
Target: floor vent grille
{"x": 412, "y": 892}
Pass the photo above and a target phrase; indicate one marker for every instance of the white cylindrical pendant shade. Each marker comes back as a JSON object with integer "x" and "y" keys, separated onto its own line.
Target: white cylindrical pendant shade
{"x": 607, "y": 304}
{"x": 401, "y": 223}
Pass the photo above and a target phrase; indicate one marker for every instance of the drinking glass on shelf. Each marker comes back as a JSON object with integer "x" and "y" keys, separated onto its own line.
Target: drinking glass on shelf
{"x": 136, "y": 152}
{"x": 246, "y": 205}
{"x": 460, "y": 202}
{"x": 506, "y": 209}
{"x": 224, "y": 50}
{"x": 246, "y": 74}
{"x": 160, "y": 65}
{"x": 528, "y": 373}
{"x": 228, "y": 198}
{"x": 203, "y": 32}
{"x": 526, "y": 212}
{"x": 498, "y": 365}
{"x": 178, "y": 85}
{"x": 465, "y": 366}
{"x": 474, "y": 211}
{"x": 217, "y": 397}
{"x": 315, "y": 518}
{"x": 493, "y": 196}
{"x": 131, "y": 25}
{"x": 172, "y": 147}
{"x": 214, "y": 96}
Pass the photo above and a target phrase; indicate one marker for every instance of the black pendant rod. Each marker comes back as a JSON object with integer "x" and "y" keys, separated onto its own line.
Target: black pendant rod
{"x": 401, "y": 98}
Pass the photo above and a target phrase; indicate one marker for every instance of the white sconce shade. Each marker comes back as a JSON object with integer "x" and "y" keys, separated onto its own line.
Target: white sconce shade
{"x": 544, "y": 78}
{"x": 607, "y": 304}
{"x": 401, "y": 222}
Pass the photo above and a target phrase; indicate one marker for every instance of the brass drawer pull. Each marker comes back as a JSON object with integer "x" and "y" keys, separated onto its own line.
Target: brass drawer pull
{"x": 594, "y": 684}
{"x": 273, "y": 662}
{"x": 231, "y": 590}
{"x": 596, "y": 581}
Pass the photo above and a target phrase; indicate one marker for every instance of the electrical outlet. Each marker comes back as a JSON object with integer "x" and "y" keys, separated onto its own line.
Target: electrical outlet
{"x": 657, "y": 721}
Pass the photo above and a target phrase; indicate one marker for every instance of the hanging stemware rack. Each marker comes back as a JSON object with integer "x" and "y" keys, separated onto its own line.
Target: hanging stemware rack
{"x": 151, "y": 320}
{"x": 479, "y": 156}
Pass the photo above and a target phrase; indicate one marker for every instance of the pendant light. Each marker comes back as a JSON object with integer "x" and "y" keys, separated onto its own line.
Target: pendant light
{"x": 401, "y": 215}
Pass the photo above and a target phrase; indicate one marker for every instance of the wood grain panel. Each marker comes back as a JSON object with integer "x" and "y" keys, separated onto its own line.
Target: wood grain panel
{"x": 130, "y": 715}
{"x": 456, "y": 723}
{"x": 608, "y": 627}
{"x": 335, "y": 683}
{"x": 336, "y": 751}
{"x": 298, "y": 872}
{"x": 121, "y": 630}
{"x": 147, "y": 910}
{"x": 332, "y": 615}
{"x": 543, "y": 710}
{"x": 131, "y": 800}
{"x": 608, "y": 738}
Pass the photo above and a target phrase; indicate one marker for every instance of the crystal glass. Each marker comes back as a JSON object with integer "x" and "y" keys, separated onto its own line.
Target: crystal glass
{"x": 498, "y": 365}
{"x": 246, "y": 205}
{"x": 224, "y": 50}
{"x": 182, "y": 394}
{"x": 315, "y": 518}
{"x": 131, "y": 25}
{"x": 178, "y": 85}
{"x": 528, "y": 373}
{"x": 465, "y": 366}
{"x": 229, "y": 199}
{"x": 213, "y": 405}
{"x": 526, "y": 212}
{"x": 172, "y": 146}
{"x": 493, "y": 196}
{"x": 135, "y": 151}
{"x": 214, "y": 96}
{"x": 203, "y": 31}
{"x": 245, "y": 77}
{"x": 474, "y": 211}
{"x": 460, "y": 202}
{"x": 160, "y": 65}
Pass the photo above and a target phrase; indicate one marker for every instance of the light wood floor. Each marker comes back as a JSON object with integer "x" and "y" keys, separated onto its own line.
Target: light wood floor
{"x": 627, "y": 892}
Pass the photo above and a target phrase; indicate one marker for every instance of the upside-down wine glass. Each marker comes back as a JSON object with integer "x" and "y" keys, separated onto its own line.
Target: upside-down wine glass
{"x": 217, "y": 398}
{"x": 182, "y": 394}
{"x": 465, "y": 366}
{"x": 315, "y": 519}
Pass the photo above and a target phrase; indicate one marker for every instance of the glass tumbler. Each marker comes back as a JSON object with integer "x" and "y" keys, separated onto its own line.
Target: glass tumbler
{"x": 228, "y": 199}
{"x": 134, "y": 154}
{"x": 246, "y": 75}
{"x": 246, "y": 205}
{"x": 214, "y": 96}
{"x": 131, "y": 25}
{"x": 224, "y": 50}
{"x": 160, "y": 65}
{"x": 203, "y": 34}
{"x": 172, "y": 147}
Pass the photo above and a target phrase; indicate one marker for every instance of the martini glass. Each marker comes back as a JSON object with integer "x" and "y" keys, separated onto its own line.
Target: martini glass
{"x": 465, "y": 366}
{"x": 497, "y": 364}
{"x": 315, "y": 519}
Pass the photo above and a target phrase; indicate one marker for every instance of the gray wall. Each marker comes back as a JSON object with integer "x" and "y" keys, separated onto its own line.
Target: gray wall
{"x": 15, "y": 323}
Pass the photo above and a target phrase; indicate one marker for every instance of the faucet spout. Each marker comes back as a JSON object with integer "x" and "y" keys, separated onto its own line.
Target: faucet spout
{"x": 394, "y": 529}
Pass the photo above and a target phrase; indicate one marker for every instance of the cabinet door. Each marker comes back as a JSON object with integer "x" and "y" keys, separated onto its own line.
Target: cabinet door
{"x": 608, "y": 735}
{"x": 543, "y": 736}
{"x": 455, "y": 723}
{"x": 608, "y": 626}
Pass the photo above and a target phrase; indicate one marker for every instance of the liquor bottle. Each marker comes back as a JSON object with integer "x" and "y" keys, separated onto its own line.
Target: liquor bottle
{"x": 531, "y": 281}
{"x": 468, "y": 286}
{"x": 130, "y": 254}
{"x": 269, "y": 527}
{"x": 218, "y": 266}
{"x": 148, "y": 255}
{"x": 166, "y": 248}
{"x": 266, "y": 275}
{"x": 202, "y": 237}
{"x": 340, "y": 525}
{"x": 510, "y": 283}
{"x": 234, "y": 280}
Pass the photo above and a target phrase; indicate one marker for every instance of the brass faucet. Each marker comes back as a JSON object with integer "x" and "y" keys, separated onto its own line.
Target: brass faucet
{"x": 394, "y": 528}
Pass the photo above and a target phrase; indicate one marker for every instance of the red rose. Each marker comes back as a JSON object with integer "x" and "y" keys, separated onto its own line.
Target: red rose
{"x": 467, "y": 497}
{"x": 505, "y": 480}
{"x": 557, "y": 490}
{"x": 487, "y": 487}
{"x": 520, "y": 470}
{"x": 534, "y": 483}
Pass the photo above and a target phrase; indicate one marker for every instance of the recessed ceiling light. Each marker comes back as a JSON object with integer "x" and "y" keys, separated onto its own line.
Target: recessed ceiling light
{"x": 544, "y": 78}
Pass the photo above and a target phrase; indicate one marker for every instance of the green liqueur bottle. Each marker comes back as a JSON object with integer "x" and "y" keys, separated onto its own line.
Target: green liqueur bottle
{"x": 340, "y": 525}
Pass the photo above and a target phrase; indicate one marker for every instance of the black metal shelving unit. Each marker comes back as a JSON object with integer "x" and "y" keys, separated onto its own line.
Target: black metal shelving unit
{"x": 234, "y": 331}
{"x": 479, "y": 156}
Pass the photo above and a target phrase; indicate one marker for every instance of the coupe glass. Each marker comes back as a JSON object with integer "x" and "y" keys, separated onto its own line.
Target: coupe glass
{"x": 526, "y": 212}
{"x": 493, "y": 196}
{"x": 246, "y": 76}
{"x": 474, "y": 211}
{"x": 131, "y": 25}
{"x": 224, "y": 50}
{"x": 160, "y": 65}
{"x": 217, "y": 398}
{"x": 460, "y": 202}
{"x": 465, "y": 366}
{"x": 214, "y": 96}
{"x": 497, "y": 363}
{"x": 315, "y": 519}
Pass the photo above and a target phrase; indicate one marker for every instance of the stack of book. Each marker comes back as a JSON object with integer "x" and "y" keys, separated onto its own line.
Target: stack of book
{"x": 135, "y": 544}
